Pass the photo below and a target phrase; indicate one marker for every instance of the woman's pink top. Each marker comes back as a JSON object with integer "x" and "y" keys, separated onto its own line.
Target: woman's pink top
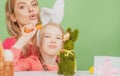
{"x": 23, "y": 63}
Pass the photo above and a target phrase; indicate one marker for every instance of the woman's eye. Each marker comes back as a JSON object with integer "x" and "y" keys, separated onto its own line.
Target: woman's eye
{"x": 34, "y": 4}
{"x": 22, "y": 7}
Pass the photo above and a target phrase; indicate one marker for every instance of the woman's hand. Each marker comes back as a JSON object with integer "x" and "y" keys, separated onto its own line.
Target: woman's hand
{"x": 28, "y": 31}
{"x": 26, "y": 36}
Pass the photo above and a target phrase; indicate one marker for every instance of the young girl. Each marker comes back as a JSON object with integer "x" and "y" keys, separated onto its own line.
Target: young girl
{"x": 50, "y": 43}
{"x": 21, "y": 14}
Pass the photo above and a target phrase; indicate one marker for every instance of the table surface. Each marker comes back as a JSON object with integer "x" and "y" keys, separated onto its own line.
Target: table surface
{"x": 49, "y": 73}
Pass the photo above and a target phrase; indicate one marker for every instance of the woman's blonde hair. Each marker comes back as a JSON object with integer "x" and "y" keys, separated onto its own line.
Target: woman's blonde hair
{"x": 12, "y": 27}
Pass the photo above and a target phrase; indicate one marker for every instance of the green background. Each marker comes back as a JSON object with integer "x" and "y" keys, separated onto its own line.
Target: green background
{"x": 98, "y": 22}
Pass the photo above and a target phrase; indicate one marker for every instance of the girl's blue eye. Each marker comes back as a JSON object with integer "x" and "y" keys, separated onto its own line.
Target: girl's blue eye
{"x": 47, "y": 36}
{"x": 59, "y": 38}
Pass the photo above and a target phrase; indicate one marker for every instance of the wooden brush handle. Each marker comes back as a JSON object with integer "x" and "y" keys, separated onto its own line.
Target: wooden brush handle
{"x": 1, "y": 68}
{"x": 1, "y": 52}
{"x": 8, "y": 69}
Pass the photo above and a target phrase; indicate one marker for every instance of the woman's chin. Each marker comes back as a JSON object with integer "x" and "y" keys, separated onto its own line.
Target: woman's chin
{"x": 34, "y": 21}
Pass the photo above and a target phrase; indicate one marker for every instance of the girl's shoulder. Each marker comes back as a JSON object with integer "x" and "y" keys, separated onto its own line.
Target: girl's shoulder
{"x": 8, "y": 42}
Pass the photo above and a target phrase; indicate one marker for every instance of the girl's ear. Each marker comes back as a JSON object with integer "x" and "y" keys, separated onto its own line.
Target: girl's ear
{"x": 12, "y": 17}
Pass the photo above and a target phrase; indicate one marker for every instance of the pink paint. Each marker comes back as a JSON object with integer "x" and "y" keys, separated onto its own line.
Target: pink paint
{"x": 107, "y": 69}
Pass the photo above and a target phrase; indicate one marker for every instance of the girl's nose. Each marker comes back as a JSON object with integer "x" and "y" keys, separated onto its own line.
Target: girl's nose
{"x": 53, "y": 40}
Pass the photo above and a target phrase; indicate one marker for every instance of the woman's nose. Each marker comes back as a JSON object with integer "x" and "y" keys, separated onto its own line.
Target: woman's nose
{"x": 31, "y": 9}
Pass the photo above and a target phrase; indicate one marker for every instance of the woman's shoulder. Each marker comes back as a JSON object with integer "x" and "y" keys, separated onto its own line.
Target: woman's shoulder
{"x": 8, "y": 42}
{"x": 10, "y": 38}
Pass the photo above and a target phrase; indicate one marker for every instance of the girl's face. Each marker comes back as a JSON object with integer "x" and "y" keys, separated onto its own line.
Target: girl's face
{"x": 26, "y": 12}
{"x": 52, "y": 40}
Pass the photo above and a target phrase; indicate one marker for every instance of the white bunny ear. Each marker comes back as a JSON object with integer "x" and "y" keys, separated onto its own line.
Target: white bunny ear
{"x": 58, "y": 8}
{"x": 53, "y": 15}
{"x": 46, "y": 15}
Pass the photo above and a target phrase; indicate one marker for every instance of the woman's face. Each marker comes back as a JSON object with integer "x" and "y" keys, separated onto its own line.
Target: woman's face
{"x": 52, "y": 40}
{"x": 26, "y": 12}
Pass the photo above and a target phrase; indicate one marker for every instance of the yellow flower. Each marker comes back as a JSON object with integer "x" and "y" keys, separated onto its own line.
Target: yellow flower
{"x": 91, "y": 70}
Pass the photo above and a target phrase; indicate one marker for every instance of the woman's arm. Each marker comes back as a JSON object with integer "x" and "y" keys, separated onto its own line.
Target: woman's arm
{"x": 31, "y": 63}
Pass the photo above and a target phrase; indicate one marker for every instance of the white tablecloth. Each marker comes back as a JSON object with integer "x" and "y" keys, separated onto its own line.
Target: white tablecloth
{"x": 49, "y": 73}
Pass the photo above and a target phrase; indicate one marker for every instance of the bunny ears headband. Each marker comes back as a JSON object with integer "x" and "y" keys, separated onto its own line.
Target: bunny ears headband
{"x": 51, "y": 15}
{"x": 54, "y": 15}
